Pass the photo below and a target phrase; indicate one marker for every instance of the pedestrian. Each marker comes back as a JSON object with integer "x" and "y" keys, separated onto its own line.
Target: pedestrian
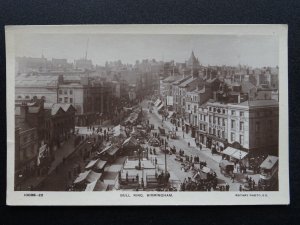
{"x": 200, "y": 146}
{"x": 241, "y": 188}
{"x": 253, "y": 185}
{"x": 227, "y": 187}
{"x": 189, "y": 144}
{"x": 232, "y": 177}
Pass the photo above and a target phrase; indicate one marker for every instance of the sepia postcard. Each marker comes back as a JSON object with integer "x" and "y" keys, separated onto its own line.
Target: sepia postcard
{"x": 147, "y": 115}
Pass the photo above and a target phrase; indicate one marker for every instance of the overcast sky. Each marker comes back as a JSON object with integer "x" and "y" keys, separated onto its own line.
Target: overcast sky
{"x": 255, "y": 51}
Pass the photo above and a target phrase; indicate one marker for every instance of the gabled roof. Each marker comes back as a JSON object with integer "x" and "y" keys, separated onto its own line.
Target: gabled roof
{"x": 66, "y": 106}
{"x": 56, "y": 107}
{"x": 171, "y": 79}
{"x": 178, "y": 82}
{"x": 187, "y": 82}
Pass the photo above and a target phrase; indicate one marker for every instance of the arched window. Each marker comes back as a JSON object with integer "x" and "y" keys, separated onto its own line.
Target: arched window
{"x": 43, "y": 98}
{"x": 19, "y": 97}
{"x": 27, "y": 97}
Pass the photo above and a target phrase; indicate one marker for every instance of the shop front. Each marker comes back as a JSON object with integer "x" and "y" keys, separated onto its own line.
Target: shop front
{"x": 216, "y": 143}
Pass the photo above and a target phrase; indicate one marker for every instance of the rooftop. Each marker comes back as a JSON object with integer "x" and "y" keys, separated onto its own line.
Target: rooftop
{"x": 187, "y": 82}
{"x": 177, "y": 82}
{"x": 259, "y": 103}
{"x": 247, "y": 86}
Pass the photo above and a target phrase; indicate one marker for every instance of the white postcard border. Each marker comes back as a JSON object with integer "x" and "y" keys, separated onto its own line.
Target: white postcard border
{"x": 177, "y": 198}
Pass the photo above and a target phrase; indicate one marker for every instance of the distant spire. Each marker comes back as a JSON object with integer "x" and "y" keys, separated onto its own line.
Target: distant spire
{"x": 86, "y": 50}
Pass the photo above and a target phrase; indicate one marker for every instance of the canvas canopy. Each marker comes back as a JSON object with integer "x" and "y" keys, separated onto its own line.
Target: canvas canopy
{"x": 160, "y": 107}
{"x": 98, "y": 163}
{"x": 87, "y": 176}
{"x": 235, "y": 153}
{"x": 119, "y": 131}
{"x": 170, "y": 114}
{"x": 269, "y": 162}
{"x": 96, "y": 186}
{"x": 157, "y": 102}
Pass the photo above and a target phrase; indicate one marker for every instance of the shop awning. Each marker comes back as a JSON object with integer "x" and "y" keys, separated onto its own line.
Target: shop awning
{"x": 205, "y": 169}
{"x": 119, "y": 131}
{"x": 229, "y": 151}
{"x": 269, "y": 162}
{"x": 91, "y": 164}
{"x": 96, "y": 186}
{"x": 160, "y": 107}
{"x": 88, "y": 176}
{"x": 235, "y": 153}
{"x": 113, "y": 150}
{"x": 81, "y": 177}
{"x": 98, "y": 163}
{"x": 130, "y": 141}
{"x": 239, "y": 154}
{"x": 157, "y": 102}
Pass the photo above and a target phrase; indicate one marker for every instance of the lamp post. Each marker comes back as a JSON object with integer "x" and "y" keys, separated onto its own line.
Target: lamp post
{"x": 165, "y": 157}
{"x": 139, "y": 152}
{"x": 20, "y": 178}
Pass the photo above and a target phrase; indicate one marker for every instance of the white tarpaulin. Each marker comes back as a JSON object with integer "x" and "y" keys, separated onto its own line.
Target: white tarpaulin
{"x": 88, "y": 176}
{"x": 96, "y": 186}
{"x": 157, "y": 103}
{"x": 235, "y": 153}
{"x": 119, "y": 131}
{"x": 170, "y": 100}
{"x": 42, "y": 152}
{"x": 160, "y": 107}
{"x": 170, "y": 114}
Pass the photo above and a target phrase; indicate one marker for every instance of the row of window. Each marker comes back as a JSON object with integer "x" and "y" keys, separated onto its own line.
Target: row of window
{"x": 192, "y": 98}
{"x": 66, "y": 100}
{"x": 28, "y": 97}
{"x": 195, "y": 108}
{"x": 241, "y": 138}
{"x": 233, "y": 125}
{"x": 218, "y": 133}
{"x": 216, "y": 110}
{"x": 223, "y": 111}
{"x": 65, "y": 92}
{"x": 217, "y": 120}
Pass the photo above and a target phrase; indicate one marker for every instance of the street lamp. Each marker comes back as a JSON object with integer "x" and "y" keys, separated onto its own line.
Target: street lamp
{"x": 165, "y": 157}
{"x": 139, "y": 152}
{"x": 20, "y": 178}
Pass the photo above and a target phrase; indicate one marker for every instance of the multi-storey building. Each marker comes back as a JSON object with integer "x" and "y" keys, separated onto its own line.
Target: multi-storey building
{"x": 203, "y": 124}
{"x": 26, "y": 150}
{"x": 254, "y": 125}
{"x": 194, "y": 99}
{"x": 251, "y": 126}
{"x": 217, "y": 114}
{"x": 59, "y": 123}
